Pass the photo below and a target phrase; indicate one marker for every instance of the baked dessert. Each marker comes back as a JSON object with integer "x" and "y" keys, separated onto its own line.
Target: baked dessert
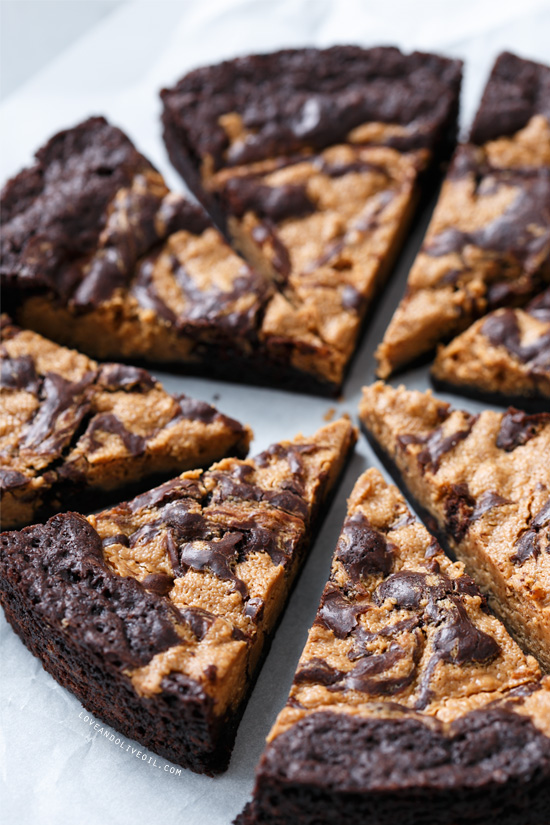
{"x": 411, "y": 703}
{"x": 483, "y": 482}
{"x": 310, "y": 161}
{"x": 157, "y": 612}
{"x": 504, "y": 357}
{"x": 72, "y": 430}
{"x": 488, "y": 243}
{"x": 99, "y": 255}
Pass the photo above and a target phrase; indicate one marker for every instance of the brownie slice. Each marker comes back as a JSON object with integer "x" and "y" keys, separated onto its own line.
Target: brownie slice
{"x": 502, "y": 357}
{"x": 98, "y": 254}
{"x": 72, "y": 430}
{"x": 411, "y": 703}
{"x": 483, "y": 483}
{"x": 310, "y": 161}
{"x": 488, "y": 243}
{"x": 156, "y": 613}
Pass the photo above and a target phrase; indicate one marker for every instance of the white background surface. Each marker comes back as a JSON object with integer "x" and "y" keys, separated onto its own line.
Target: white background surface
{"x": 54, "y": 768}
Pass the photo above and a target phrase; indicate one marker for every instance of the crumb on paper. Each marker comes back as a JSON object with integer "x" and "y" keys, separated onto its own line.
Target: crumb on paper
{"x": 329, "y": 415}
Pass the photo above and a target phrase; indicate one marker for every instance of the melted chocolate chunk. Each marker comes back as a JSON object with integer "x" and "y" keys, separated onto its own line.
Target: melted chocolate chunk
{"x": 264, "y": 233}
{"x": 115, "y": 377}
{"x": 198, "y": 411}
{"x": 63, "y": 405}
{"x": 144, "y": 290}
{"x": 437, "y": 445}
{"x": 216, "y": 556}
{"x": 509, "y": 234}
{"x": 351, "y": 298}
{"x": 19, "y": 374}
{"x": 539, "y": 307}
{"x": 459, "y": 641}
{"x": 200, "y": 621}
{"x": 503, "y": 330}
{"x": 517, "y": 428}
{"x": 174, "y": 490}
{"x": 109, "y": 423}
{"x": 407, "y": 589}
{"x": 361, "y": 677}
{"x": 460, "y": 506}
{"x": 159, "y": 583}
{"x": 338, "y": 170}
{"x": 527, "y": 547}
{"x": 362, "y": 550}
{"x": 318, "y": 671}
{"x": 273, "y": 202}
{"x": 543, "y": 516}
{"x": 12, "y": 479}
{"x": 534, "y": 539}
{"x": 258, "y": 539}
{"x": 486, "y": 502}
{"x": 254, "y": 609}
{"x": 118, "y": 538}
{"x": 338, "y": 614}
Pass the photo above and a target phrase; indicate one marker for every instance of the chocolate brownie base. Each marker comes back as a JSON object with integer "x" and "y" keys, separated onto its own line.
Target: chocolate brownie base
{"x": 157, "y": 613}
{"x": 491, "y": 766}
{"x": 72, "y": 430}
{"x": 488, "y": 243}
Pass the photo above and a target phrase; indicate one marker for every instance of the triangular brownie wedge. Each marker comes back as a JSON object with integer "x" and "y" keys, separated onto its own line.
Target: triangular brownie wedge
{"x": 156, "y": 613}
{"x": 98, "y": 254}
{"x": 483, "y": 481}
{"x": 310, "y": 160}
{"x": 411, "y": 703}
{"x": 488, "y": 244}
{"x": 504, "y": 357}
{"x": 72, "y": 430}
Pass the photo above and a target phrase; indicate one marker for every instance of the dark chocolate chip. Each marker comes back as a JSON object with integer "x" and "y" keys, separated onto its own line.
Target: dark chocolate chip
{"x": 517, "y": 428}
{"x": 338, "y": 614}
{"x": 12, "y": 479}
{"x": 486, "y": 502}
{"x": 19, "y": 374}
{"x": 158, "y": 583}
{"x": 362, "y": 550}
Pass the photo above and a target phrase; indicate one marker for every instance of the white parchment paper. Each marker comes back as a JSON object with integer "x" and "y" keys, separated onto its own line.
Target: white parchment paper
{"x": 57, "y": 765}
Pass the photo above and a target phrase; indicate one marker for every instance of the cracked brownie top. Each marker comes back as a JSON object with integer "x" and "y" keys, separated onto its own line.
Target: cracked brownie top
{"x": 252, "y": 108}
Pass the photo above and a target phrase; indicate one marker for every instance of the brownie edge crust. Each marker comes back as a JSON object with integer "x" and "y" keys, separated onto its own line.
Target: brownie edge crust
{"x": 493, "y": 765}
{"x": 62, "y": 576}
